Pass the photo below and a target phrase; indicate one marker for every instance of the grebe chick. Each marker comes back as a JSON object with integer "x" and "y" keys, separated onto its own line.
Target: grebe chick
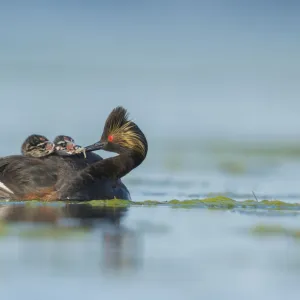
{"x": 37, "y": 146}
{"x": 66, "y": 144}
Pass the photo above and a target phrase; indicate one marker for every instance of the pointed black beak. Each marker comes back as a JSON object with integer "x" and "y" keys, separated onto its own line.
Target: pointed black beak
{"x": 94, "y": 147}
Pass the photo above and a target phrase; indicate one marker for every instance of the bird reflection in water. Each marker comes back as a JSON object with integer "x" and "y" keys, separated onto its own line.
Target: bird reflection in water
{"x": 129, "y": 257}
{"x": 118, "y": 247}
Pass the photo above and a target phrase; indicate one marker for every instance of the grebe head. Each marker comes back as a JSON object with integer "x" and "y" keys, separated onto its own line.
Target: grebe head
{"x": 121, "y": 135}
{"x": 37, "y": 146}
{"x": 66, "y": 144}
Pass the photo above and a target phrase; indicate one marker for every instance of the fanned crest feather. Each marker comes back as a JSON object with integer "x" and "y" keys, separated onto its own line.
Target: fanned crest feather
{"x": 125, "y": 132}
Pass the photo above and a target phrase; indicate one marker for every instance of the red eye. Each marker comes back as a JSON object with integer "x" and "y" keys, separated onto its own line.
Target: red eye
{"x": 110, "y": 138}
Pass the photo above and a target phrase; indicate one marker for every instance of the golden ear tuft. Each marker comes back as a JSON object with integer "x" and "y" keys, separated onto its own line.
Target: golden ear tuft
{"x": 119, "y": 128}
{"x": 116, "y": 119}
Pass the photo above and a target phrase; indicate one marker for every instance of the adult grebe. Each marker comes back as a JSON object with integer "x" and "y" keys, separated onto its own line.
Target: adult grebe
{"x": 120, "y": 135}
{"x": 71, "y": 177}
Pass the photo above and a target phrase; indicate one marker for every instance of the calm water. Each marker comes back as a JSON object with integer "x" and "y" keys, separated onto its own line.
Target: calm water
{"x": 151, "y": 252}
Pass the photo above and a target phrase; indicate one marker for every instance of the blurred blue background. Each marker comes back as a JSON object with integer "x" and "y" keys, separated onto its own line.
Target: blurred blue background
{"x": 182, "y": 68}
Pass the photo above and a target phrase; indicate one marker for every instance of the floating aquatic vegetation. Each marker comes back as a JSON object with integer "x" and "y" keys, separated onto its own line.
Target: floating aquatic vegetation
{"x": 220, "y": 202}
{"x": 217, "y": 202}
{"x": 275, "y": 230}
{"x": 108, "y": 203}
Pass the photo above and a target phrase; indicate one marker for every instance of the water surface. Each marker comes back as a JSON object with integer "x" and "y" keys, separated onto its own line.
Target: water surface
{"x": 145, "y": 252}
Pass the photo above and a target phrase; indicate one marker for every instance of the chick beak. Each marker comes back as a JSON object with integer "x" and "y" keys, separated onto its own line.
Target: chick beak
{"x": 78, "y": 149}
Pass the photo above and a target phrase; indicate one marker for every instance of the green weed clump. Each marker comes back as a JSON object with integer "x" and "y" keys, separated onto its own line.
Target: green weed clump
{"x": 275, "y": 230}
{"x": 214, "y": 202}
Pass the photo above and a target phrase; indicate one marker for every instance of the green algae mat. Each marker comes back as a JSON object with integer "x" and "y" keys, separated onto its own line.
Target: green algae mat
{"x": 276, "y": 230}
{"x": 218, "y": 202}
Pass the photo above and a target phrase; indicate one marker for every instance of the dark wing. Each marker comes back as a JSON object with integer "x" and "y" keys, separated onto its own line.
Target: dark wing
{"x": 23, "y": 176}
{"x": 5, "y": 191}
